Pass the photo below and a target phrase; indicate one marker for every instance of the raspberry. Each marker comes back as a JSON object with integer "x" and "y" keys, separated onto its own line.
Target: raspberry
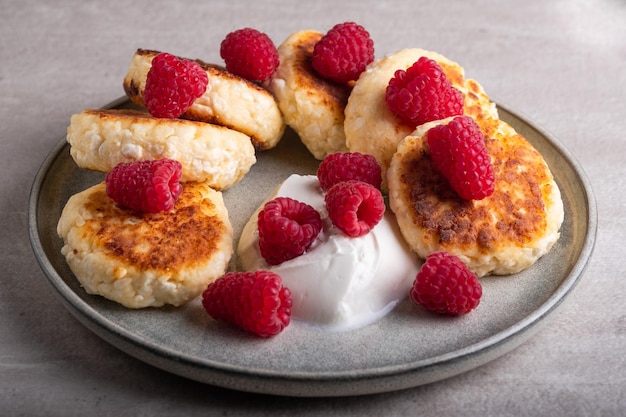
{"x": 459, "y": 153}
{"x": 250, "y": 54}
{"x": 172, "y": 85}
{"x": 343, "y": 166}
{"x": 423, "y": 93}
{"x": 445, "y": 285}
{"x": 254, "y": 301}
{"x": 150, "y": 186}
{"x": 354, "y": 207}
{"x": 287, "y": 228}
{"x": 343, "y": 53}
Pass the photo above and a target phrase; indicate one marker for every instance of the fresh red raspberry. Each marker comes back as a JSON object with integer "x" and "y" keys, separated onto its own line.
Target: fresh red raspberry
{"x": 250, "y": 54}
{"x": 149, "y": 186}
{"x": 172, "y": 85}
{"x": 423, "y": 93}
{"x": 445, "y": 285}
{"x": 343, "y": 166}
{"x": 354, "y": 207}
{"x": 343, "y": 53}
{"x": 287, "y": 228}
{"x": 459, "y": 153}
{"x": 255, "y": 301}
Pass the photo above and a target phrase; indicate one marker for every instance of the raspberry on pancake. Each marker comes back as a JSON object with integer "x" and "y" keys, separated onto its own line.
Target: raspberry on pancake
{"x": 250, "y": 54}
{"x": 343, "y": 53}
{"x": 172, "y": 85}
{"x": 500, "y": 234}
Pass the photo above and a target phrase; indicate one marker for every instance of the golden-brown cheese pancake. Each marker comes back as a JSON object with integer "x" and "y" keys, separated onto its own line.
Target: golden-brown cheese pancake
{"x": 311, "y": 105}
{"x": 370, "y": 126}
{"x": 101, "y": 139}
{"x": 229, "y": 101}
{"x": 144, "y": 259}
{"x": 501, "y": 234}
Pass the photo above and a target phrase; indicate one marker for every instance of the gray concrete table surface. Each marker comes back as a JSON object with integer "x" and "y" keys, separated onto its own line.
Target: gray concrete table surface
{"x": 561, "y": 63}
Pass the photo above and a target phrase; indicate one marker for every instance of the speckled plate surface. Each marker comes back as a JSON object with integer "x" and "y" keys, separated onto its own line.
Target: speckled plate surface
{"x": 409, "y": 347}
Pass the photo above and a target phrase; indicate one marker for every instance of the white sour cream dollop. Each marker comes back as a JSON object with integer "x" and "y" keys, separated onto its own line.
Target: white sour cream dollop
{"x": 341, "y": 283}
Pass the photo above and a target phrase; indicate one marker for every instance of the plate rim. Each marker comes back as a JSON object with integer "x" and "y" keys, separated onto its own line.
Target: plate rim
{"x": 236, "y": 376}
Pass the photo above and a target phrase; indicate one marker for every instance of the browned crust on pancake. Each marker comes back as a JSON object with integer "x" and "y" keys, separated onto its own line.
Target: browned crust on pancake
{"x": 501, "y": 219}
{"x": 332, "y": 93}
{"x": 131, "y": 87}
{"x": 139, "y": 115}
{"x": 454, "y": 73}
{"x": 183, "y": 238}
{"x": 112, "y": 114}
{"x": 474, "y": 101}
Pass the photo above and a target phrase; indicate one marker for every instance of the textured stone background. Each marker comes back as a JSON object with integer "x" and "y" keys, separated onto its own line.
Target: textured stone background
{"x": 561, "y": 63}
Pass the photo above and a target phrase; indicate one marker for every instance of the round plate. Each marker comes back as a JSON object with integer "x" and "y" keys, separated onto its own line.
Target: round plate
{"x": 407, "y": 348}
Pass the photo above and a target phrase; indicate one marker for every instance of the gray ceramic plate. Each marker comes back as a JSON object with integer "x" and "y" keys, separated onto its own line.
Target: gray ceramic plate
{"x": 407, "y": 348}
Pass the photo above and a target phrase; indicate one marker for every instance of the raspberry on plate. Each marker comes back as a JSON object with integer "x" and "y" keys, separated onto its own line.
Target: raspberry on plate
{"x": 459, "y": 153}
{"x": 255, "y": 301}
{"x": 172, "y": 85}
{"x": 149, "y": 186}
{"x": 249, "y": 54}
{"x": 354, "y": 207}
{"x": 287, "y": 228}
{"x": 343, "y": 166}
{"x": 343, "y": 53}
{"x": 423, "y": 93}
{"x": 445, "y": 285}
